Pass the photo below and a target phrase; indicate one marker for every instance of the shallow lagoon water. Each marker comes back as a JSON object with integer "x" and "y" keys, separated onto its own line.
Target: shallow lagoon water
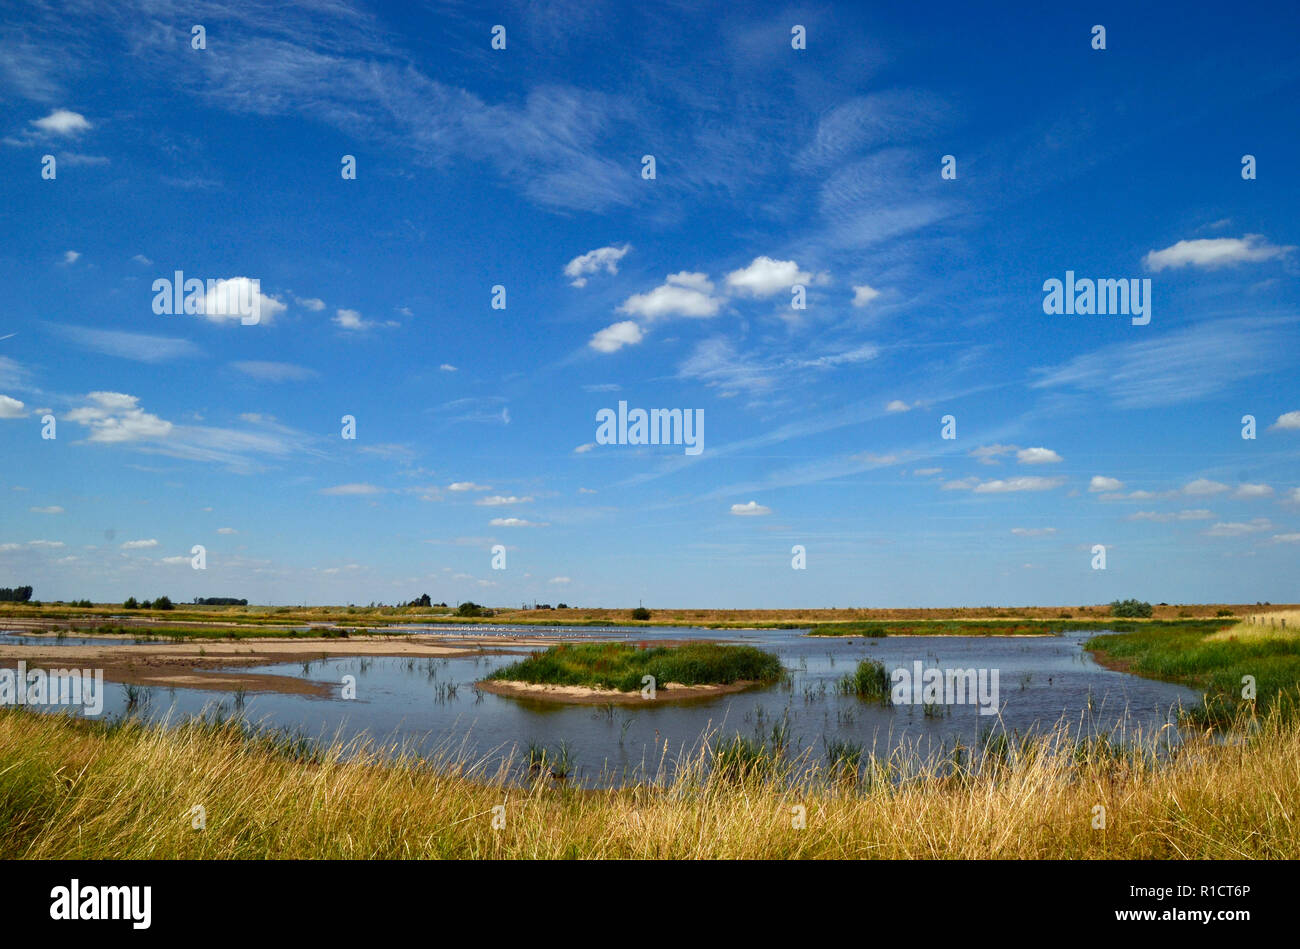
{"x": 427, "y": 704}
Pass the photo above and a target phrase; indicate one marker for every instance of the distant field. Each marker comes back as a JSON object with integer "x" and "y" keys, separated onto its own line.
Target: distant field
{"x": 369, "y": 617}
{"x": 979, "y": 627}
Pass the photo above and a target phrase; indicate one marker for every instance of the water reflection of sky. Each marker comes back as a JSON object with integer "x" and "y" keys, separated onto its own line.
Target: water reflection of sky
{"x": 427, "y": 703}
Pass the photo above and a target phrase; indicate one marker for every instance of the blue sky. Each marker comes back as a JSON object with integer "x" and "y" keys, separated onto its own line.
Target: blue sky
{"x": 522, "y": 168}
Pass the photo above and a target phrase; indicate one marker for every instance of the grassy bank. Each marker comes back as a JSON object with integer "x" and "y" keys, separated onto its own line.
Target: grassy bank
{"x": 622, "y": 666}
{"x": 1213, "y": 659}
{"x": 90, "y": 791}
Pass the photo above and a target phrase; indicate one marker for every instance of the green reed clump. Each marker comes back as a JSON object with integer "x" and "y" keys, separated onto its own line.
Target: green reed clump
{"x": 623, "y": 666}
{"x": 870, "y": 680}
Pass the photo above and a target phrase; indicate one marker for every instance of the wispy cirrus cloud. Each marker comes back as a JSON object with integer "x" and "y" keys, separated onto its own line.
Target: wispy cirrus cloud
{"x": 1182, "y": 365}
{"x": 351, "y": 490}
{"x": 274, "y": 371}
{"x": 1240, "y": 528}
{"x": 138, "y": 347}
{"x": 1005, "y": 485}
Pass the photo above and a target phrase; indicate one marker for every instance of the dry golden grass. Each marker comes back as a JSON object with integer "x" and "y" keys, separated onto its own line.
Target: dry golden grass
{"x": 1270, "y": 624}
{"x": 76, "y": 791}
{"x": 1274, "y": 624}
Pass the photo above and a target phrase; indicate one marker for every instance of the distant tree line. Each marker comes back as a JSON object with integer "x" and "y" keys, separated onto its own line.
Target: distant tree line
{"x": 15, "y": 594}
{"x": 162, "y": 603}
{"x": 219, "y": 601}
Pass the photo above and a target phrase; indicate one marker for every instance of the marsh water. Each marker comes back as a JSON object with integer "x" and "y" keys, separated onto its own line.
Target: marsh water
{"x": 431, "y": 705}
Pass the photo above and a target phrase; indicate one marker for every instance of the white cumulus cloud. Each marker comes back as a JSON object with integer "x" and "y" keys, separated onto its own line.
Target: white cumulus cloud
{"x": 615, "y": 336}
{"x": 765, "y": 277}
{"x": 62, "y": 122}
{"x": 1037, "y": 456}
{"x": 862, "y": 295}
{"x": 237, "y": 297}
{"x": 682, "y": 294}
{"x": 117, "y": 417}
{"x": 1214, "y": 252}
{"x": 607, "y": 258}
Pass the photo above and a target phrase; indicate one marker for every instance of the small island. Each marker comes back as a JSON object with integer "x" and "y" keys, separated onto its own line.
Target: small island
{"x": 596, "y": 673}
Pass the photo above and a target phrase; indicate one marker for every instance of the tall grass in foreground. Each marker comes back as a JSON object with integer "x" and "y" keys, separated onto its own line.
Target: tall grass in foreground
{"x": 76, "y": 790}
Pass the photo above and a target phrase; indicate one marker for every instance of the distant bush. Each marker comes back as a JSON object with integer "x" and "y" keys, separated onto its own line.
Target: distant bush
{"x": 561, "y": 606}
{"x": 163, "y": 603}
{"x": 640, "y": 613}
{"x": 422, "y": 600}
{"x": 1225, "y": 613}
{"x": 470, "y": 608}
{"x": 219, "y": 601}
{"x": 130, "y": 604}
{"x": 1130, "y": 608}
{"x": 15, "y": 594}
